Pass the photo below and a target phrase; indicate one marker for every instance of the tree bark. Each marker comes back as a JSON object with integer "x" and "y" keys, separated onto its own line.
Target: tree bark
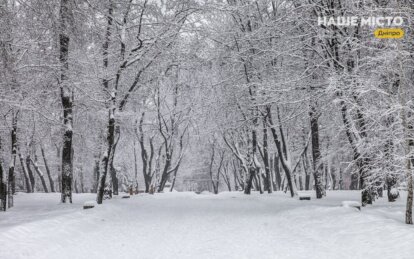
{"x": 26, "y": 175}
{"x": 67, "y": 102}
{"x": 226, "y": 176}
{"x": 253, "y": 169}
{"x": 96, "y": 175}
{"x": 177, "y": 166}
{"x": 30, "y": 173}
{"x": 409, "y": 175}
{"x": 58, "y": 185}
{"x": 110, "y": 131}
{"x": 49, "y": 175}
{"x": 305, "y": 164}
{"x": 409, "y": 205}
{"x": 278, "y": 176}
{"x": 3, "y": 186}
{"x": 114, "y": 177}
{"x": 316, "y": 153}
{"x": 81, "y": 180}
{"x": 266, "y": 157}
{"x": 11, "y": 178}
{"x": 135, "y": 165}
{"x": 144, "y": 154}
{"x": 40, "y": 174}
{"x": 282, "y": 152}
{"x": 104, "y": 166}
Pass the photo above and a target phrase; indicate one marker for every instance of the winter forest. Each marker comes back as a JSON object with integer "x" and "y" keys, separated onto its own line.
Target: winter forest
{"x": 234, "y": 113}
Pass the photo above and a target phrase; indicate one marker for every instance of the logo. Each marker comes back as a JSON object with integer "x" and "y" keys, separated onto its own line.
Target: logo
{"x": 387, "y": 33}
{"x": 388, "y": 27}
{"x": 354, "y": 21}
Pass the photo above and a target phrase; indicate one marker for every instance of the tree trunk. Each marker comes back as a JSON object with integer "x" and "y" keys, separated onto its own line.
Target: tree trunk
{"x": 226, "y": 176}
{"x": 26, "y": 176}
{"x": 305, "y": 169}
{"x": 58, "y": 185}
{"x": 104, "y": 166}
{"x": 253, "y": 170}
{"x": 11, "y": 179}
{"x": 316, "y": 153}
{"x": 237, "y": 183}
{"x": 95, "y": 175}
{"x": 282, "y": 152}
{"x": 366, "y": 197}
{"x": 3, "y": 186}
{"x": 66, "y": 93}
{"x": 49, "y": 175}
{"x": 266, "y": 158}
{"x": 114, "y": 177}
{"x": 30, "y": 173}
{"x": 409, "y": 158}
{"x": 409, "y": 205}
{"x": 177, "y": 167}
{"x": 115, "y": 183}
{"x": 213, "y": 152}
{"x": 333, "y": 177}
{"x": 167, "y": 165}
{"x": 75, "y": 185}
{"x": 110, "y": 131}
{"x": 164, "y": 176}
{"x": 40, "y": 174}
{"x": 278, "y": 176}
{"x": 173, "y": 181}
{"x": 259, "y": 181}
{"x": 144, "y": 154}
{"x": 249, "y": 183}
{"x": 135, "y": 163}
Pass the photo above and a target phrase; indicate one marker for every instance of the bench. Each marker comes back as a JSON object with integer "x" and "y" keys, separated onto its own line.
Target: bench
{"x": 89, "y": 205}
{"x": 304, "y": 197}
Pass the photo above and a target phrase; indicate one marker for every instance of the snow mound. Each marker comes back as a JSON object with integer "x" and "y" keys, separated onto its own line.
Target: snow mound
{"x": 394, "y": 192}
{"x": 89, "y": 203}
{"x": 351, "y": 204}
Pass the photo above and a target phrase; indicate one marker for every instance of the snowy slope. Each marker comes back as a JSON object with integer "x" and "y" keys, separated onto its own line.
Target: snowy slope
{"x": 186, "y": 225}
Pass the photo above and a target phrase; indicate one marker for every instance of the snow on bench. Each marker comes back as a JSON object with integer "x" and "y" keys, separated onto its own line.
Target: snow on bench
{"x": 351, "y": 204}
{"x": 89, "y": 204}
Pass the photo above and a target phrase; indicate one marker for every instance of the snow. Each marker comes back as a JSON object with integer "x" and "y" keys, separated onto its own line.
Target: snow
{"x": 90, "y": 203}
{"x": 187, "y": 225}
{"x": 394, "y": 191}
{"x": 68, "y": 127}
{"x": 350, "y": 204}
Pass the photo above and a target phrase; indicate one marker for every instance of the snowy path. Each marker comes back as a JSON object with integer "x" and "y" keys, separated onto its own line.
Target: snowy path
{"x": 186, "y": 225}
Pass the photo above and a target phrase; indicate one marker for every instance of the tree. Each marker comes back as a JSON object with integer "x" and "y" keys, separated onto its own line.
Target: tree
{"x": 49, "y": 175}
{"x": 3, "y": 186}
{"x": 66, "y": 94}
{"x": 147, "y": 46}
{"x": 147, "y": 161}
{"x": 11, "y": 184}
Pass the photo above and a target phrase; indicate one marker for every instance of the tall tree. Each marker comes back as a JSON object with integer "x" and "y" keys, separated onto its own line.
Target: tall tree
{"x": 66, "y": 94}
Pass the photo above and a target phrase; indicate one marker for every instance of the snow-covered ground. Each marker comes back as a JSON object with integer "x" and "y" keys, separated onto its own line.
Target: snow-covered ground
{"x": 187, "y": 225}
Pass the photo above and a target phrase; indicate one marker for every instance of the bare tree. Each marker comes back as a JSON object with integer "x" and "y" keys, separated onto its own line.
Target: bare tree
{"x": 66, "y": 94}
